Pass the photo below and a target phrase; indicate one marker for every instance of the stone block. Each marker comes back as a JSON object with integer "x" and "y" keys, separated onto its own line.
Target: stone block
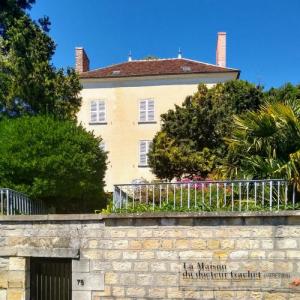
{"x": 81, "y": 295}
{"x": 135, "y": 244}
{"x": 166, "y": 244}
{"x": 145, "y": 233}
{"x": 175, "y": 293}
{"x": 15, "y": 294}
{"x": 141, "y": 266}
{"x": 3, "y": 294}
{"x": 17, "y": 264}
{"x": 182, "y": 244}
{"x": 3, "y": 279}
{"x": 166, "y": 280}
{"x": 91, "y": 254}
{"x": 259, "y": 254}
{"x": 111, "y": 278}
{"x": 99, "y": 265}
{"x": 156, "y": 293}
{"x": 227, "y": 244}
{"x": 112, "y": 254}
{"x": 117, "y": 233}
{"x": 81, "y": 266}
{"x": 132, "y": 233}
{"x": 158, "y": 267}
{"x": 16, "y": 279}
{"x": 146, "y": 255}
{"x": 195, "y": 254}
{"x": 129, "y": 255}
{"x": 144, "y": 279}
{"x": 198, "y": 244}
{"x": 286, "y": 243}
{"x": 239, "y": 254}
{"x": 120, "y": 244}
{"x": 135, "y": 292}
{"x": 127, "y": 279}
{"x": 213, "y": 244}
{"x": 167, "y": 255}
{"x": 151, "y": 244}
{"x": 118, "y": 291}
{"x": 88, "y": 281}
{"x": 121, "y": 266}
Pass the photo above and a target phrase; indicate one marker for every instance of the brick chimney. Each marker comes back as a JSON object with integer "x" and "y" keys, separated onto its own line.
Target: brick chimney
{"x": 221, "y": 49}
{"x": 82, "y": 62}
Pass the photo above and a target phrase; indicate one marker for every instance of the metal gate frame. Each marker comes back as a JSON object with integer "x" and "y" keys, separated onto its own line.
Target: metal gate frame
{"x": 50, "y": 278}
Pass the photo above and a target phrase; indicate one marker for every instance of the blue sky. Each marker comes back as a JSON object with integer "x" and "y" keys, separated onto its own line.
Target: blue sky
{"x": 263, "y": 36}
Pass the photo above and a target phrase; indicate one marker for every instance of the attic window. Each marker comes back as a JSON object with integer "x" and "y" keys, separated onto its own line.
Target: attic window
{"x": 116, "y": 72}
{"x": 186, "y": 68}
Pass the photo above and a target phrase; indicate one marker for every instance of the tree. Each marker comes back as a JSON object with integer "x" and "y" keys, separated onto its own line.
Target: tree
{"x": 266, "y": 143}
{"x": 29, "y": 83}
{"x": 55, "y": 161}
{"x": 191, "y": 139}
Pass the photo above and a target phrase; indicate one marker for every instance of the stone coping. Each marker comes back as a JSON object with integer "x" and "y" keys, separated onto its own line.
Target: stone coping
{"x": 149, "y": 215}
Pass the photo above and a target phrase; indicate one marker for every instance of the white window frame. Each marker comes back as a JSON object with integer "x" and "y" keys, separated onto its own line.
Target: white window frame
{"x": 144, "y": 162}
{"x": 149, "y": 114}
{"x": 97, "y": 118}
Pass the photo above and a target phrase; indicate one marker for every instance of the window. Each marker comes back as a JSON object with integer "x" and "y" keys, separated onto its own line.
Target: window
{"x": 146, "y": 110}
{"x": 144, "y": 149}
{"x": 98, "y": 113}
{"x": 102, "y": 146}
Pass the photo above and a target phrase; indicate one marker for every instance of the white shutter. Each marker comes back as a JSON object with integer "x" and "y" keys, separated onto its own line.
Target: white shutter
{"x": 143, "y": 110}
{"x": 144, "y": 149}
{"x": 101, "y": 111}
{"x": 93, "y": 111}
{"x": 143, "y": 153}
{"x": 150, "y": 111}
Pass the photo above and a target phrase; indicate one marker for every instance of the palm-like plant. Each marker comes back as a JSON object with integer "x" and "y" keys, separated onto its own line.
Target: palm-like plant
{"x": 266, "y": 143}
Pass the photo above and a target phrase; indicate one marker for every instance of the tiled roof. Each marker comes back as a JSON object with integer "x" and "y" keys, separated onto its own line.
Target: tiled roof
{"x": 171, "y": 66}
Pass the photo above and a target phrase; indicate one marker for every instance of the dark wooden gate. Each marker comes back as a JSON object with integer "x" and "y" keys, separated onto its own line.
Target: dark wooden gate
{"x": 50, "y": 279}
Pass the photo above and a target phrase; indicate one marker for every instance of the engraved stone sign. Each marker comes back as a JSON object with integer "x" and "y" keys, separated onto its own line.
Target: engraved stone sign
{"x": 249, "y": 274}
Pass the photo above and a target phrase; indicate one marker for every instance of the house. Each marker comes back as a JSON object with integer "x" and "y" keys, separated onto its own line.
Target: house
{"x": 123, "y": 102}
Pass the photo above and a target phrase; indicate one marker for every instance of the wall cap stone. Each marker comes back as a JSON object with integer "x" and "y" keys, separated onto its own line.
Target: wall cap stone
{"x": 147, "y": 215}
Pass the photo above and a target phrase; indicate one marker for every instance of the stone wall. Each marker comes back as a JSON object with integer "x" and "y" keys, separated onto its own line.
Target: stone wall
{"x": 140, "y": 256}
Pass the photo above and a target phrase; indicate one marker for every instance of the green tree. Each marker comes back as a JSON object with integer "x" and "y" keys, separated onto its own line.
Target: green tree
{"x": 266, "y": 143}
{"x": 191, "y": 139}
{"x": 29, "y": 83}
{"x": 55, "y": 161}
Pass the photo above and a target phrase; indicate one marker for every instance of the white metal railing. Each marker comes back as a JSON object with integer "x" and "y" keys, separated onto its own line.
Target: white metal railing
{"x": 230, "y": 195}
{"x": 16, "y": 203}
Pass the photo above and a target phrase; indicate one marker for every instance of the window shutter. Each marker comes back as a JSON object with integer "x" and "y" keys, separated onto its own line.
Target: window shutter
{"x": 150, "y": 110}
{"x": 101, "y": 111}
{"x": 143, "y": 153}
{"x": 93, "y": 111}
{"x": 143, "y": 109}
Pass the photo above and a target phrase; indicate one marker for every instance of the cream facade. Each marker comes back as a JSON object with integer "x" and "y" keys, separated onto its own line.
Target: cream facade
{"x": 119, "y": 110}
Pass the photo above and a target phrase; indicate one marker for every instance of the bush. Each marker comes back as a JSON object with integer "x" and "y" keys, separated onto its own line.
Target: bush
{"x": 55, "y": 161}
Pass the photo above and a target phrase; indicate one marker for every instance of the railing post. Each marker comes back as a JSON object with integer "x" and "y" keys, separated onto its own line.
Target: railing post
{"x": 2, "y": 204}
{"x": 271, "y": 196}
{"x": 7, "y": 203}
{"x": 114, "y": 198}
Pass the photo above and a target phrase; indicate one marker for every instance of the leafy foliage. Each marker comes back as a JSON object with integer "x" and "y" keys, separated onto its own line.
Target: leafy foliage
{"x": 55, "y": 161}
{"x": 267, "y": 143}
{"x": 29, "y": 83}
{"x": 191, "y": 139}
